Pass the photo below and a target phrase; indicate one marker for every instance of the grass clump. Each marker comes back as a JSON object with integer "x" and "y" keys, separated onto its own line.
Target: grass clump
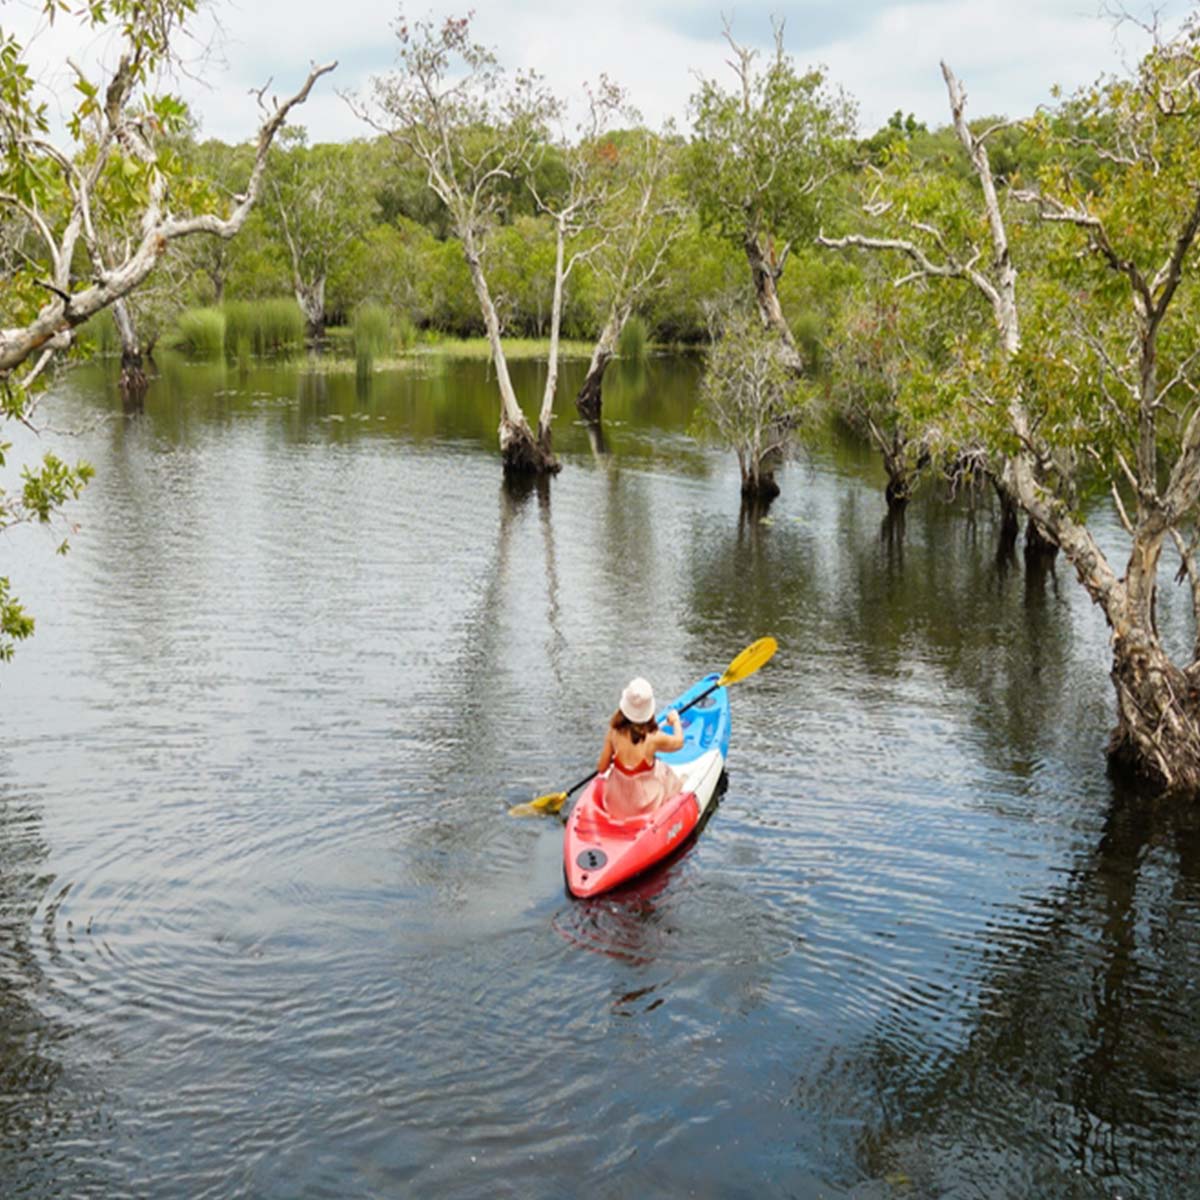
{"x": 266, "y": 326}
{"x": 634, "y": 338}
{"x": 374, "y": 335}
{"x": 200, "y": 332}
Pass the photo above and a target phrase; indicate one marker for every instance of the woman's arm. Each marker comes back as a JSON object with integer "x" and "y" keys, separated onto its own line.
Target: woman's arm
{"x": 672, "y": 740}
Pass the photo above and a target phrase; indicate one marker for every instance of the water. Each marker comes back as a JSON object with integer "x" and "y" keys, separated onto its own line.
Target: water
{"x": 267, "y": 930}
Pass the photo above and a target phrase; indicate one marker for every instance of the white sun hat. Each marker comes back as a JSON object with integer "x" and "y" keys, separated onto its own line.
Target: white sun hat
{"x": 637, "y": 701}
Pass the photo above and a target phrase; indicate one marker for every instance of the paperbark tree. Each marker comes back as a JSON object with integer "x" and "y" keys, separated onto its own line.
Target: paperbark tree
{"x": 58, "y": 200}
{"x": 750, "y": 400}
{"x": 761, "y": 156}
{"x": 642, "y": 222}
{"x": 1100, "y": 385}
{"x": 591, "y": 182}
{"x": 880, "y": 343}
{"x": 449, "y": 107}
{"x": 323, "y": 201}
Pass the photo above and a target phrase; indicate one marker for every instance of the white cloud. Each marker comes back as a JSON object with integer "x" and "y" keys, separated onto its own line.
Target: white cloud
{"x": 1008, "y": 56}
{"x": 885, "y": 55}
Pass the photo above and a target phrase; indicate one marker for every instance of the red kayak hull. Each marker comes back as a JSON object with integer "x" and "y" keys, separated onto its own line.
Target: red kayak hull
{"x": 601, "y": 852}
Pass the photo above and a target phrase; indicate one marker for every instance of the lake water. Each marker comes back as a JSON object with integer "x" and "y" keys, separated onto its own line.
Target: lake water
{"x": 266, "y": 928}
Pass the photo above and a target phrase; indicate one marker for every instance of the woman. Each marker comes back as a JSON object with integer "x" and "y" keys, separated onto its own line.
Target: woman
{"x": 638, "y": 783}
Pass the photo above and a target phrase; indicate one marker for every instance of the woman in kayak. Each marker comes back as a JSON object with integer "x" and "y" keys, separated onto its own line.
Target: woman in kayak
{"x": 638, "y": 782}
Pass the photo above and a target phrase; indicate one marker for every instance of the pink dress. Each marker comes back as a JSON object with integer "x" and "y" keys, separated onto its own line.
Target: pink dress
{"x": 633, "y": 791}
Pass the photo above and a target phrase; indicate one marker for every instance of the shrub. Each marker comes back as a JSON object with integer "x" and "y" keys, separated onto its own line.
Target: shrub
{"x": 406, "y": 334}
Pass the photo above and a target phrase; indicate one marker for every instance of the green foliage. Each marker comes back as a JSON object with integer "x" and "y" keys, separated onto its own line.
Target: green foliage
{"x": 15, "y": 623}
{"x": 47, "y": 488}
{"x": 99, "y": 335}
{"x": 476, "y": 134}
{"x": 899, "y": 128}
{"x": 702, "y": 270}
{"x": 520, "y": 271}
{"x": 634, "y": 339}
{"x": 258, "y": 267}
{"x": 405, "y": 333}
{"x": 200, "y": 332}
{"x": 761, "y": 147}
{"x": 322, "y": 199}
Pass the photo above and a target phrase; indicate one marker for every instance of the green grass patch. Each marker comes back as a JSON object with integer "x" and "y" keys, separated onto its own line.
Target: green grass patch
{"x": 268, "y": 326}
{"x": 515, "y": 349}
{"x": 200, "y": 332}
{"x": 374, "y": 336}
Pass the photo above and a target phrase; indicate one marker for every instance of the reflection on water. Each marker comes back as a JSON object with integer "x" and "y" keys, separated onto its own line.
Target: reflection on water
{"x": 265, "y": 928}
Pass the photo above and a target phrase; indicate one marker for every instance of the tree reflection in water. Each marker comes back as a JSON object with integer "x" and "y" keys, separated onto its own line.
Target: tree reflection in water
{"x": 1081, "y": 1067}
{"x": 44, "y": 1106}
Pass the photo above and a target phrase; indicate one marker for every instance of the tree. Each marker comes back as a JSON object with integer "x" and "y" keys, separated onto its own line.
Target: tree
{"x": 589, "y": 185}
{"x": 759, "y": 160}
{"x": 57, "y": 202}
{"x": 449, "y": 108}
{"x": 324, "y": 200}
{"x": 642, "y": 221}
{"x": 222, "y": 169}
{"x": 879, "y": 347}
{"x": 1094, "y": 382}
{"x": 750, "y": 399}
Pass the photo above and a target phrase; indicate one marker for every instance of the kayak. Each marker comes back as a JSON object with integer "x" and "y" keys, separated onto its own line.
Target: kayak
{"x": 601, "y": 851}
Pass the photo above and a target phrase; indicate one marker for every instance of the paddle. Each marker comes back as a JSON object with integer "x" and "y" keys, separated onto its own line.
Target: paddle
{"x": 746, "y": 663}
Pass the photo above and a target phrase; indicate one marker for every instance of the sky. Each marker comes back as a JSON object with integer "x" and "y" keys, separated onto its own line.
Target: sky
{"x": 1008, "y": 53}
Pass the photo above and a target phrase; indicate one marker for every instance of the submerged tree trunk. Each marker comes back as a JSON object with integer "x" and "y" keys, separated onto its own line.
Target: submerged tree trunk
{"x": 901, "y": 477}
{"x": 758, "y": 478}
{"x": 1158, "y": 714}
{"x": 1038, "y": 545}
{"x": 589, "y": 399}
{"x": 520, "y": 451}
{"x": 1157, "y": 736}
{"x": 133, "y": 374}
{"x": 1010, "y": 525}
{"x": 766, "y": 272}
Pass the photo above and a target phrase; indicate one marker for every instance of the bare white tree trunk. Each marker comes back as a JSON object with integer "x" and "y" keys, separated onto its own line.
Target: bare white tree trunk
{"x": 311, "y": 298}
{"x": 589, "y": 400}
{"x": 519, "y": 449}
{"x": 547, "y": 411}
{"x": 133, "y": 375}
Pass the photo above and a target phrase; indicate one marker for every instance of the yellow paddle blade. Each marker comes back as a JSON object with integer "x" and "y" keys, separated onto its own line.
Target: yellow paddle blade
{"x": 749, "y": 661}
{"x": 542, "y": 806}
